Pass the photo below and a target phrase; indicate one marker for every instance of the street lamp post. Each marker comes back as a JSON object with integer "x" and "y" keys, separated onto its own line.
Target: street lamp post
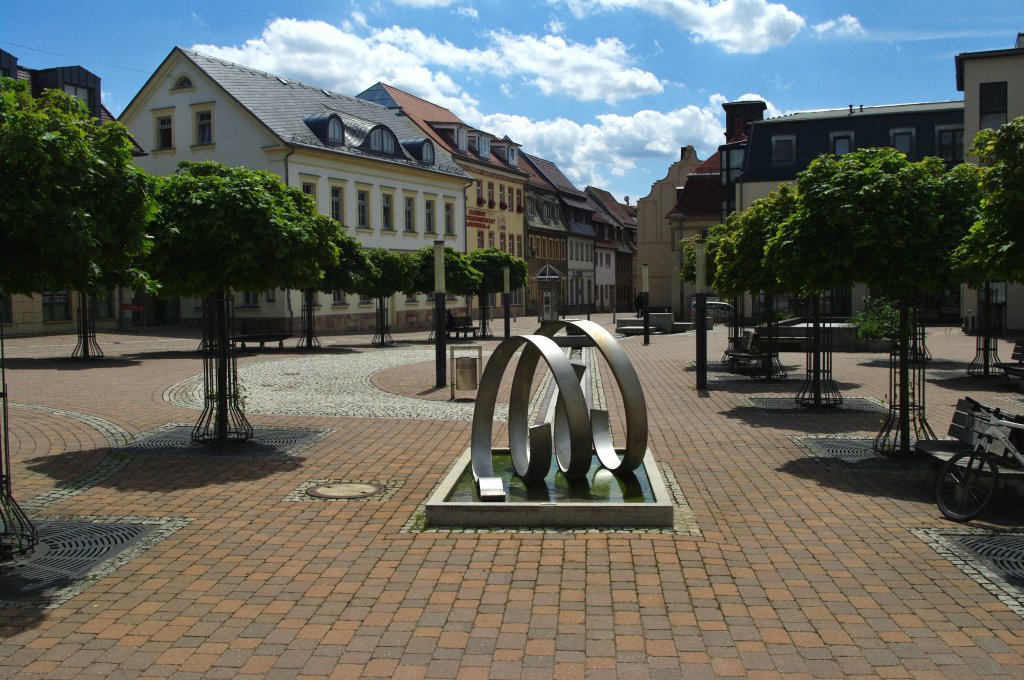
{"x": 506, "y": 300}
{"x": 702, "y": 316}
{"x": 440, "y": 330}
{"x": 646, "y": 293}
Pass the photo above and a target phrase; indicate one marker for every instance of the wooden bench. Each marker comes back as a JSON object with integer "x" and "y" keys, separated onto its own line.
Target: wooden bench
{"x": 463, "y": 326}
{"x": 741, "y": 350}
{"x": 965, "y": 430}
{"x": 1015, "y": 368}
{"x": 262, "y": 332}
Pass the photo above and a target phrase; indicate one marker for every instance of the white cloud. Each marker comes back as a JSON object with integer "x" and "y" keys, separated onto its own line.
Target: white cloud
{"x": 342, "y": 58}
{"x": 737, "y": 26}
{"x": 555, "y": 25}
{"x": 468, "y": 12}
{"x": 614, "y": 145}
{"x": 846, "y": 26}
{"x": 425, "y": 3}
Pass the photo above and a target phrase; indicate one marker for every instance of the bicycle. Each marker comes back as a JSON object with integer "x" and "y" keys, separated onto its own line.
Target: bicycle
{"x": 969, "y": 481}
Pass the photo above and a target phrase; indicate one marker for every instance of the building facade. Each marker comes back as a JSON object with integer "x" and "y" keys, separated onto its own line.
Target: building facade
{"x": 388, "y": 185}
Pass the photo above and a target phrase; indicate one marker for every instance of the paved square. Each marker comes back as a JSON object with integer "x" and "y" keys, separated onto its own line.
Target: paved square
{"x": 787, "y": 566}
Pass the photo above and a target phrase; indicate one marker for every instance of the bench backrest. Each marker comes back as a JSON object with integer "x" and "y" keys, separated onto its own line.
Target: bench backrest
{"x": 964, "y": 426}
{"x": 1018, "y": 352}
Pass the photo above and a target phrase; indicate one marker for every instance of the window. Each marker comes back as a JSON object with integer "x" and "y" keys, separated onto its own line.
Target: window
{"x": 382, "y": 140}
{"x": 335, "y": 131}
{"x": 337, "y": 204}
{"x": 519, "y": 246}
{"x": 479, "y": 192}
{"x": 270, "y": 295}
{"x": 992, "y": 105}
{"x": 427, "y": 153}
{"x": 250, "y": 298}
{"x": 309, "y": 189}
{"x": 490, "y": 239}
{"x": 55, "y": 305}
{"x": 363, "y": 200}
{"x": 386, "y": 212}
{"x": 490, "y": 194}
{"x": 530, "y": 207}
{"x": 951, "y": 145}
{"x": 501, "y": 196}
{"x": 204, "y": 127}
{"x": 429, "y": 215}
{"x": 83, "y": 93}
{"x": 183, "y": 83}
{"x": 513, "y": 157}
{"x": 519, "y": 200}
{"x": 411, "y": 298}
{"x": 461, "y": 139}
{"x": 449, "y": 219}
{"x": 479, "y": 238}
{"x": 545, "y": 211}
{"x": 338, "y": 298}
{"x": 784, "y": 149}
{"x": 365, "y": 300}
{"x": 501, "y": 242}
{"x": 410, "y": 214}
{"x": 902, "y": 140}
{"x": 485, "y": 146}
{"x": 164, "y": 133}
{"x": 841, "y": 142}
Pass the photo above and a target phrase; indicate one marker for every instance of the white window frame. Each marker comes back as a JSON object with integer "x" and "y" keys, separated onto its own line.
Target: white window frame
{"x": 776, "y": 139}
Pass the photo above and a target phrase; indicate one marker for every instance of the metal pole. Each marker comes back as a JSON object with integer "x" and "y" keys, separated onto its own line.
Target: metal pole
{"x": 440, "y": 332}
{"x": 645, "y": 292}
{"x": 702, "y": 340}
{"x": 506, "y": 299}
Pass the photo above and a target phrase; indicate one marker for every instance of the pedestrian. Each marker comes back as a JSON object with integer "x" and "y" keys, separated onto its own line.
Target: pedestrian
{"x": 639, "y": 305}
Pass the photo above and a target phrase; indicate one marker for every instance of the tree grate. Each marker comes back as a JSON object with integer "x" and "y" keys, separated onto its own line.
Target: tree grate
{"x": 177, "y": 440}
{"x": 66, "y": 552}
{"x": 1003, "y": 552}
{"x": 842, "y": 454}
{"x": 854, "y": 405}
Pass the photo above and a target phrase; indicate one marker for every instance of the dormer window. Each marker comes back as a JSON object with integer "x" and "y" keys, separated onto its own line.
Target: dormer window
{"x": 183, "y": 83}
{"x": 485, "y": 146}
{"x": 420, "y": 149}
{"x": 327, "y": 127}
{"x": 335, "y": 131}
{"x": 382, "y": 141}
{"x": 461, "y": 139}
{"x": 513, "y": 157}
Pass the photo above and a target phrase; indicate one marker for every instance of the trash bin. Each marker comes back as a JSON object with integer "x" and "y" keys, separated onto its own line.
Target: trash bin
{"x": 466, "y": 371}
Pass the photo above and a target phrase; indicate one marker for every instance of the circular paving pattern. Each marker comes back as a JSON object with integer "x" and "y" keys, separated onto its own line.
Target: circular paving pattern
{"x": 329, "y": 385}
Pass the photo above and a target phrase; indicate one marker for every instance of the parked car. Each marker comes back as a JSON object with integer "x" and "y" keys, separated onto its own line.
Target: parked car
{"x": 720, "y": 312}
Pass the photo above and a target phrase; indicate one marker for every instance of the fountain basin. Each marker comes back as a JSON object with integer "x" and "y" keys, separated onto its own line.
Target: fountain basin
{"x": 640, "y": 499}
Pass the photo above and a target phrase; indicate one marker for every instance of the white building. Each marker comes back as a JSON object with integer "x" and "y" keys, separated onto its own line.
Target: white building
{"x": 373, "y": 171}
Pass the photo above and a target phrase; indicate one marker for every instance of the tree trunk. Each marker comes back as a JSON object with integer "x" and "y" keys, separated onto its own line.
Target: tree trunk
{"x": 222, "y": 331}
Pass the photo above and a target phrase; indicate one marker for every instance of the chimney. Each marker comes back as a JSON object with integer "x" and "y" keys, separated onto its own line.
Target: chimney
{"x": 626, "y": 199}
{"x": 851, "y": 109}
{"x": 738, "y": 115}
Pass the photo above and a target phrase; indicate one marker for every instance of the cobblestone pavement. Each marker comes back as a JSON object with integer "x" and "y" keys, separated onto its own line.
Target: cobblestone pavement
{"x": 800, "y": 562}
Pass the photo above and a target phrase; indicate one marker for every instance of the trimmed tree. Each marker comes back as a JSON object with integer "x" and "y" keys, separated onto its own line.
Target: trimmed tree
{"x": 491, "y": 262}
{"x": 219, "y": 229}
{"x": 343, "y": 274}
{"x": 460, "y": 277}
{"x": 73, "y": 205}
{"x": 386, "y": 273}
{"x": 884, "y": 221}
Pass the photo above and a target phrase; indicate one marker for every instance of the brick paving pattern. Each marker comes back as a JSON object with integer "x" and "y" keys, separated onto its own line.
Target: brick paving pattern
{"x": 793, "y": 569}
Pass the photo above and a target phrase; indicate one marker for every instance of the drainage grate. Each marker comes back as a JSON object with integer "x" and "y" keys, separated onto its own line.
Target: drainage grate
{"x": 856, "y": 404}
{"x": 1005, "y": 552}
{"x": 67, "y": 551}
{"x": 177, "y": 440}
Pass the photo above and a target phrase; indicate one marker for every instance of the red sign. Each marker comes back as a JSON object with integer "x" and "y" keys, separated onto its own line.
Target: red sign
{"x": 478, "y": 219}
{"x": 132, "y": 307}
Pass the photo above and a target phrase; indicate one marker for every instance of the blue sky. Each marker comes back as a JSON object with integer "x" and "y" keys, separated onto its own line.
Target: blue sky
{"x": 608, "y": 89}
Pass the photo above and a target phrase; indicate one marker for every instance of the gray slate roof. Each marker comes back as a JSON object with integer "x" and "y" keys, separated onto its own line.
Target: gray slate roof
{"x": 282, "y": 104}
{"x": 888, "y": 109}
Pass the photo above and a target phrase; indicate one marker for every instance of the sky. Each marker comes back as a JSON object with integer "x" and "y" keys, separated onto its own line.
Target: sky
{"x": 609, "y": 90}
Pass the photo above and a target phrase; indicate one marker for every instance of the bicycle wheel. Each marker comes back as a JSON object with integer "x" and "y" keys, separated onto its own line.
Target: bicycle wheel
{"x": 966, "y": 485}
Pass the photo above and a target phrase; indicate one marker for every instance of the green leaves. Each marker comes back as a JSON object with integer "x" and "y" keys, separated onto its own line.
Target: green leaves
{"x": 73, "y": 205}
{"x": 490, "y": 262}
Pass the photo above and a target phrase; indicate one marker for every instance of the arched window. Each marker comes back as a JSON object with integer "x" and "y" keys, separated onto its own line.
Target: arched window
{"x": 427, "y": 155}
{"x": 382, "y": 140}
{"x": 335, "y": 132}
{"x": 183, "y": 83}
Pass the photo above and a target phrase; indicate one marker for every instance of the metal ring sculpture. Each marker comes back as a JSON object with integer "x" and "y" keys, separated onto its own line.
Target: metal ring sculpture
{"x": 575, "y": 434}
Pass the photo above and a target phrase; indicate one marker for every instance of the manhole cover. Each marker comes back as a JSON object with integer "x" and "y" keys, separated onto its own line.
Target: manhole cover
{"x": 66, "y": 552}
{"x": 343, "y": 490}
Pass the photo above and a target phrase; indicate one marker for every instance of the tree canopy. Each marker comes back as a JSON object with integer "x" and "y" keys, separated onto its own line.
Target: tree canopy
{"x": 351, "y": 266}
{"x": 490, "y": 262}
{"x": 995, "y": 243}
{"x": 226, "y": 228}
{"x": 386, "y": 273}
{"x": 73, "y": 205}
{"x": 460, "y": 277}
{"x": 740, "y": 262}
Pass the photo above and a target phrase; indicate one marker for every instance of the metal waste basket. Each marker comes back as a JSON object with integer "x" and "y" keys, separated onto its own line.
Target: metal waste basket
{"x": 466, "y": 371}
